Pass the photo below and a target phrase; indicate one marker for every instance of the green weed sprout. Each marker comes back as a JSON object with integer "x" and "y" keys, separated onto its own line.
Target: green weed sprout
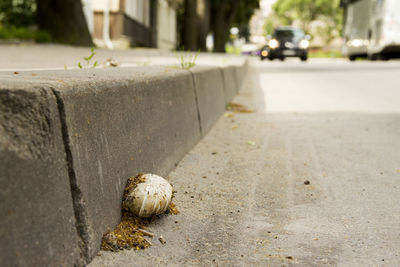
{"x": 88, "y": 59}
{"x": 187, "y": 61}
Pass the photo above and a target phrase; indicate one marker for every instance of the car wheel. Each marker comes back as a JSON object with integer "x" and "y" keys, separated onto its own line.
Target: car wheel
{"x": 270, "y": 58}
{"x": 352, "y": 58}
{"x": 262, "y": 58}
{"x": 384, "y": 58}
{"x": 375, "y": 57}
{"x": 304, "y": 58}
{"x": 282, "y": 58}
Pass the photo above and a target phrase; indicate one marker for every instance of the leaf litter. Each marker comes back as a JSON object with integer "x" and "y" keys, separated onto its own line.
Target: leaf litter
{"x": 132, "y": 231}
{"x": 238, "y": 108}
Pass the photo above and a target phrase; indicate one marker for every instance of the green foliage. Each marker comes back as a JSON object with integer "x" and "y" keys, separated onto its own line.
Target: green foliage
{"x": 244, "y": 31}
{"x": 19, "y": 13}
{"x": 245, "y": 11}
{"x": 242, "y": 10}
{"x": 187, "y": 61}
{"x": 17, "y": 20}
{"x": 88, "y": 59}
{"x": 14, "y": 33}
{"x": 270, "y": 25}
{"x": 23, "y": 33}
{"x": 329, "y": 12}
{"x": 230, "y": 49}
{"x": 228, "y": 13}
{"x": 92, "y": 53}
{"x": 42, "y": 37}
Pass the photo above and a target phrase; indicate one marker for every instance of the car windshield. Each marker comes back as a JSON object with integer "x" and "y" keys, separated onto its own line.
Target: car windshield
{"x": 286, "y": 34}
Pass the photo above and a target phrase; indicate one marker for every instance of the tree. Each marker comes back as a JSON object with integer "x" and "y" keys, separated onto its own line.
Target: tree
{"x": 270, "y": 25}
{"x": 64, "y": 20}
{"x": 196, "y": 24}
{"x": 241, "y": 20}
{"x": 190, "y": 25}
{"x": 330, "y": 29}
{"x": 17, "y": 13}
{"x": 200, "y": 17}
{"x": 203, "y": 24}
{"x": 226, "y": 13}
{"x": 307, "y": 11}
{"x": 223, "y": 12}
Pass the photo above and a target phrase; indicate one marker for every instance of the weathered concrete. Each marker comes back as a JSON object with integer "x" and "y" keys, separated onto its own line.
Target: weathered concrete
{"x": 246, "y": 204}
{"x": 210, "y": 95}
{"x": 119, "y": 127}
{"x": 240, "y": 75}
{"x": 231, "y": 85}
{"x": 37, "y": 222}
{"x": 109, "y": 124}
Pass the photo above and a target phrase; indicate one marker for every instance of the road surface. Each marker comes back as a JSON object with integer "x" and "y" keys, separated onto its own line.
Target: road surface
{"x": 242, "y": 192}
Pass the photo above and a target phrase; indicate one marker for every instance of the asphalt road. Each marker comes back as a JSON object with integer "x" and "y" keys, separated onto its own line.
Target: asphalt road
{"x": 241, "y": 190}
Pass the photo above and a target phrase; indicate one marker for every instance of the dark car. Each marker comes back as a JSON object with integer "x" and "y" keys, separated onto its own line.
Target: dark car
{"x": 286, "y": 42}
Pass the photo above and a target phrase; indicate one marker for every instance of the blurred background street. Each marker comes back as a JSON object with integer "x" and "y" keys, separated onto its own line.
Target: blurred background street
{"x": 273, "y": 29}
{"x": 305, "y": 173}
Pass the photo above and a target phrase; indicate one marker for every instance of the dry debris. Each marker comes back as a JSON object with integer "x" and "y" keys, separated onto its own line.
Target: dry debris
{"x": 162, "y": 240}
{"x": 110, "y": 62}
{"x": 252, "y": 143}
{"x": 146, "y": 233}
{"x": 131, "y": 231}
{"x": 281, "y": 257}
{"x": 238, "y": 108}
{"x": 229, "y": 115}
{"x": 127, "y": 234}
{"x": 172, "y": 209}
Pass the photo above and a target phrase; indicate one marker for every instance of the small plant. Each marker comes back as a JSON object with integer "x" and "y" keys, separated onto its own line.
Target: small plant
{"x": 187, "y": 61}
{"x": 88, "y": 60}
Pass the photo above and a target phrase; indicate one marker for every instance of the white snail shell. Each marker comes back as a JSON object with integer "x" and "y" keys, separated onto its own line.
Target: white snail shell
{"x": 152, "y": 197}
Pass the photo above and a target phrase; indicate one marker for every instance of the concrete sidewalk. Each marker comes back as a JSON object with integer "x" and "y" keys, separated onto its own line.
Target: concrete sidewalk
{"x": 51, "y": 57}
{"x": 241, "y": 190}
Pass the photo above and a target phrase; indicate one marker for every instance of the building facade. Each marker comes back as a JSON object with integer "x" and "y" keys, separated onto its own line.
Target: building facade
{"x": 143, "y": 23}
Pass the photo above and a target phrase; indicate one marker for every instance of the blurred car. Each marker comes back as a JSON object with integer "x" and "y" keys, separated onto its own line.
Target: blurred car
{"x": 286, "y": 42}
{"x": 371, "y": 29}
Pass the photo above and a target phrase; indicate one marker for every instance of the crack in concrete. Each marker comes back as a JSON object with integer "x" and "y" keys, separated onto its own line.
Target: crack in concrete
{"x": 197, "y": 104}
{"x": 77, "y": 196}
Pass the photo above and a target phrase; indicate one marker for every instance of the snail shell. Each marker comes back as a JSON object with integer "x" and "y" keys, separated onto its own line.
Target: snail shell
{"x": 152, "y": 197}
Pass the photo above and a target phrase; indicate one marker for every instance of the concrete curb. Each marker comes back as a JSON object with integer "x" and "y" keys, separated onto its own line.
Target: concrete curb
{"x": 37, "y": 222}
{"x": 107, "y": 125}
{"x": 210, "y": 97}
{"x": 231, "y": 86}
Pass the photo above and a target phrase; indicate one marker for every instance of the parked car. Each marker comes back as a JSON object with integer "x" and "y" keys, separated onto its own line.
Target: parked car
{"x": 371, "y": 29}
{"x": 286, "y": 42}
